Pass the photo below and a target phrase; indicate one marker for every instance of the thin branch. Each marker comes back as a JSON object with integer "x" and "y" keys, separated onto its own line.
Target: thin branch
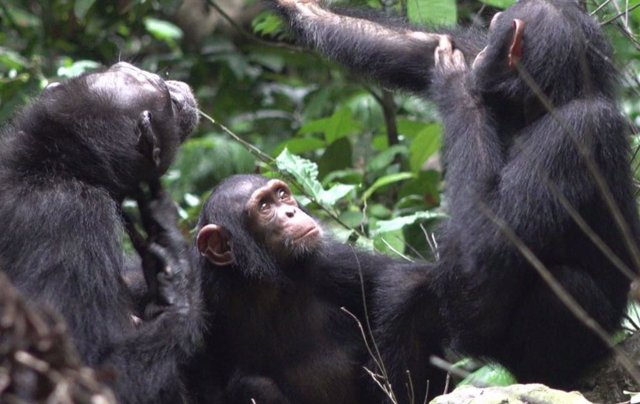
{"x": 561, "y": 293}
{"x": 265, "y": 158}
{"x": 249, "y": 35}
{"x": 610, "y": 20}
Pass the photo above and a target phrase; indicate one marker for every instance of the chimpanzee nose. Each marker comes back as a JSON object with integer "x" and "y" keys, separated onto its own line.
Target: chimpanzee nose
{"x": 291, "y": 212}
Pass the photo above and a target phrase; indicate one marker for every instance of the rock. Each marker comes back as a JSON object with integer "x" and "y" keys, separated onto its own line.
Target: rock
{"x": 514, "y": 394}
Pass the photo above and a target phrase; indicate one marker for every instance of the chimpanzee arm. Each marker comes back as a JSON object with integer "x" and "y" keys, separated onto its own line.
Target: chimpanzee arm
{"x": 521, "y": 186}
{"x": 388, "y": 51}
{"x": 515, "y": 179}
{"x": 409, "y": 330}
{"x": 173, "y": 327}
{"x": 78, "y": 274}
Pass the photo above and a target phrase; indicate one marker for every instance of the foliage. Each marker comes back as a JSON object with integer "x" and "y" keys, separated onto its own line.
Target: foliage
{"x": 323, "y": 127}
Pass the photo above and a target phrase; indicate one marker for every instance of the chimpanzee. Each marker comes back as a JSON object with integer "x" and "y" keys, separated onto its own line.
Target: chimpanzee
{"x": 533, "y": 136}
{"x": 274, "y": 285}
{"x": 66, "y": 163}
{"x": 534, "y": 146}
{"x": 382, "y": 47}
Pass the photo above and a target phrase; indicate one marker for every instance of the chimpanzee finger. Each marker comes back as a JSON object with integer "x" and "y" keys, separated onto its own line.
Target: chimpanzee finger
{"x": 445, "y": 43}
{"x": 169, "y": 282}
{"x": 138, "y": 241}
{"x": 458, "y": 60}
{"x": 147, "y": 141}
{"x": 163, "y": 258}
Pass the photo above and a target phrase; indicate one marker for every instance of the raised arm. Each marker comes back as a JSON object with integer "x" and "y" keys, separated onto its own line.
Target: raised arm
{"x": 381, "y": 47}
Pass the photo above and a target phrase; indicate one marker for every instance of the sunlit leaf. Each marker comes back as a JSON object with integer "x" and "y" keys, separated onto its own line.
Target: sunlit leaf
{"x": 300, "y": 145}
{"x": 386, "y": 226}
{"x": 424, "y": 145}
{"x": 438, "y": 12}
{"x": 384, "y": 181}
{"x": 162, "y": 30}
{"x": 11, "y": 59}
{"x": 390, "y": 243}
{"x": 306, "y": 174}
{"x": 267, "y": 23}
{"x": 77, "y": 68}
{"x": 304, "y": 171}
{"x": 338, "y": 125}
{"x": 385, "y": 158}
{"x": 335, "y": 193}
{"x": 489, "y": 375}
{"x": 499, "y": 3}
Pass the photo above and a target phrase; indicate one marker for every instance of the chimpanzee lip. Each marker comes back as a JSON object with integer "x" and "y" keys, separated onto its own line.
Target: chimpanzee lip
{"x": 312, "y": 231}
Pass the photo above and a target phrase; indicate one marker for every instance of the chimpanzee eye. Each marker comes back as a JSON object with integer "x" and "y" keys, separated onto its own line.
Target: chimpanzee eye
{"x": 263, "y": 206}
{"x": 282, "y": 193}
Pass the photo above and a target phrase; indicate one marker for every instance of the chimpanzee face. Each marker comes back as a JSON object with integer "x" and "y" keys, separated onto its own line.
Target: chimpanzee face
{"x": 256, "y": 211}
{"x": 276, "y": 219}
{"x": 122, "y": 96}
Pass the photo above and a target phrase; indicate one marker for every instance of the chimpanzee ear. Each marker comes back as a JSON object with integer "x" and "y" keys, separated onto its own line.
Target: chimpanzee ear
{"x": 515, "y": 51}
{"x": 213, "y": 242}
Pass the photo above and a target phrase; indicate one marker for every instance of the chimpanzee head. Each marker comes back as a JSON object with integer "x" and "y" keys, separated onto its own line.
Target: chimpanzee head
{"x": 112, "y": 128}
{"x": 253, "y": 224}
{"x": 546, "y": 40}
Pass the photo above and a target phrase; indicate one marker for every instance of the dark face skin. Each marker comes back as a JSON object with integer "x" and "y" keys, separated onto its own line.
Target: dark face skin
{"x": 276, "y": 223}
{"x": 275, "y": 218}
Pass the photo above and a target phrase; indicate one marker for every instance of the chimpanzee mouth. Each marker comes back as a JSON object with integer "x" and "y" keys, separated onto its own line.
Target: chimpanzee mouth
{"x": 311, "y": 232}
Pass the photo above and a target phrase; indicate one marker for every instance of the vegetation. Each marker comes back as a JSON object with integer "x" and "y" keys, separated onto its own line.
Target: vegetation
{"x": 362, "y": 156}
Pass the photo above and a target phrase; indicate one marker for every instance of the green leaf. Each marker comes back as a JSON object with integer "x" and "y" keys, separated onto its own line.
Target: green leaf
{"x": 391, "y": 243}
{"x": 410, "y": 128}
{"x": 162, "y": 30}
{"x": 11, "y": 59}
{"x": 337, "y": 156}
{"x": 384, "y": 159}
{"x": 304, "y": 171}
{"x": 489, "y": 375}
{"x": 433, "y": 12}
{"x": 77, "y": 68}
{"x": 267, "y": 23}
{"x": 81, "y": 7}
{"x": 426, "y": 143}
{"x": 338, "y": 125}
{"x": 335, "y": 193}
{"x": 384, "y": 181}
{"x": 306, "y": 174}
{"x": 205, "y": 161}
{"x": 300, "y": 145}
{"x": 499, "y": 3}
{"x": 349, "y": 175}
{"x": 392, "y": 225}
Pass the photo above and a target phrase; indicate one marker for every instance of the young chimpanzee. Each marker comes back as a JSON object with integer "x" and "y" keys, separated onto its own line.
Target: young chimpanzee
{"x": 534, "y": 145}
{"x": 275, "y": 285}
{"x": 66, "y": 163}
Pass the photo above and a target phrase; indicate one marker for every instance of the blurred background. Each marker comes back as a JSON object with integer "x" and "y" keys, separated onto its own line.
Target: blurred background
{"x": 365, "y": 159}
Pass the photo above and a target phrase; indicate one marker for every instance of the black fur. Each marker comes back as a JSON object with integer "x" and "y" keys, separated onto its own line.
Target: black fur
{"x": 508, "y": 157}
{"x": 278, "y": 334}
{"x": 66, "y": 163}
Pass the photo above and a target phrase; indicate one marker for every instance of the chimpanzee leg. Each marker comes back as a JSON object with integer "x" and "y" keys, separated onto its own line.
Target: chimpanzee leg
{"x": 543, "y": 347}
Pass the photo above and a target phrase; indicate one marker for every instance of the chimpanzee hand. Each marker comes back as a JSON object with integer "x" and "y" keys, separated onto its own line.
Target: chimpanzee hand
{"x": 290, "y": 3}
{"x": 147, "y": 141}
{"x": 165, "y": 261}
{"x": 448, "y": 60}
{"x": 449, "y": 75}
